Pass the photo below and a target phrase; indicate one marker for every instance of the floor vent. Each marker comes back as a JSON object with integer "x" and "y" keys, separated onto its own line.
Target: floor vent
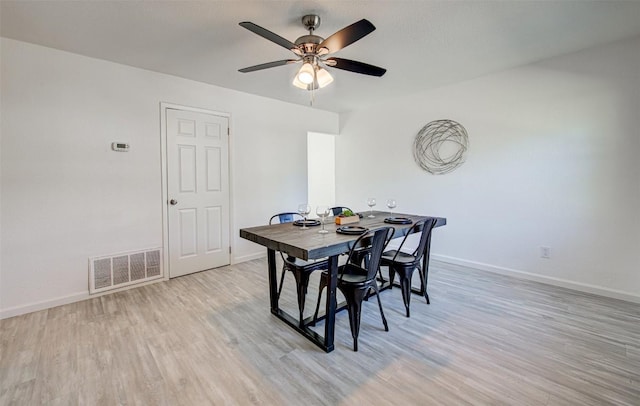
{"x": 124, "y": 269}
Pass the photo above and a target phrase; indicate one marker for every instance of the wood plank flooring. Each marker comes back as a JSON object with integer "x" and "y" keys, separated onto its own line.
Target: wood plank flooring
{"x": 209, "y": 339}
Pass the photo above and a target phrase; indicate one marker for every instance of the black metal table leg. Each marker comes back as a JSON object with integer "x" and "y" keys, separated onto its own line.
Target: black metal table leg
{"x": 330, "y": 322}
{"x": 273, "y": 281}
{"x": 326, "y": 342}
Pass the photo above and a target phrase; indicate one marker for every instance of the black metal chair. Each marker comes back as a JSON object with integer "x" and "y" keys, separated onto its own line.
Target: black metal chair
{"x": 300, "y": 268}
{"x": 338, "y": 210}
{"x": 355, "y": 282}
{"x": 404, "y": 263}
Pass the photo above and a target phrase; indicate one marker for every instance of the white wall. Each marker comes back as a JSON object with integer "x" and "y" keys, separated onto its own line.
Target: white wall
{"x": 321, "y": 163}
{"x": 65, "y": 196}
{"x": 553, "y": 161}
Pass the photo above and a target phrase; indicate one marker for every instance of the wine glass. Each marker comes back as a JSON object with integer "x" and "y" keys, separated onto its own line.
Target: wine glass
{"x": 391, "y": 204}
{"x": 322, "y": 212}
{"x": 304, "y": 210}
{"x": 371, "y": 202}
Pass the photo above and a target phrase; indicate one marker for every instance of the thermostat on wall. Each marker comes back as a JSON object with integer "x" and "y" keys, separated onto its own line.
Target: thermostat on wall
{"x": 120, "y": 146}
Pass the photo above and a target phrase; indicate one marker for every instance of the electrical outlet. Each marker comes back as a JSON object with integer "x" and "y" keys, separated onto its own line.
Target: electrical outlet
{"x": 545, "y": 252}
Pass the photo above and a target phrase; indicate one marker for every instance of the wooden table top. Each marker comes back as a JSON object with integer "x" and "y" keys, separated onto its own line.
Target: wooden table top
{"x": 309, "y": 244}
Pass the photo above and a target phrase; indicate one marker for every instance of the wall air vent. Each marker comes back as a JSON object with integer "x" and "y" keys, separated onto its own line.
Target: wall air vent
{"x": 124, "y": 269}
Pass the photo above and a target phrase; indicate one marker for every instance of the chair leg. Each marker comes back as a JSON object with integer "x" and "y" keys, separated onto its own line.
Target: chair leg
{"x": 323, "y": 284}
{"x": 405, "y": 286}
{"x": 392, "y": 276}
{"x": 423, "y": 282}
{"x": 354, "y": 299}
{"x": 302, "y": 283}
{"x": 284, "y": 270}
{"x": 384, "y": 319}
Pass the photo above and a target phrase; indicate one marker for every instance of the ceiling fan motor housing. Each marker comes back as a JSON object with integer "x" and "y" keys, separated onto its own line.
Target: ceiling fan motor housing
{"x": 309, "y": 43}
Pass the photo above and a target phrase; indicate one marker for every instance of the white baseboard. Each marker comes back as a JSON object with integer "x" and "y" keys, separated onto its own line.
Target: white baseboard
{"x": 63, "y": 300}
{"x": 549, "y": 280}
{"x": 77, "y": 297}
{"x": 249, "y": 257}
{"x": 46, "y": 304}
{"x": 581, "y": 287}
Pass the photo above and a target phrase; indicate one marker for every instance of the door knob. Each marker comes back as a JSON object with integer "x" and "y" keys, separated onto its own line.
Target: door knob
{"x": 173, "y": 202}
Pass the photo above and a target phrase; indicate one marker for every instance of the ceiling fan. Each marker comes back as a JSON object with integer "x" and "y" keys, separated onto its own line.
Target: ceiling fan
{"x": 312, "y": 51}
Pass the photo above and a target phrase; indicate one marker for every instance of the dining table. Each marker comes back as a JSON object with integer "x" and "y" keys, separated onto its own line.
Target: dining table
{"x": 309, "y": 244}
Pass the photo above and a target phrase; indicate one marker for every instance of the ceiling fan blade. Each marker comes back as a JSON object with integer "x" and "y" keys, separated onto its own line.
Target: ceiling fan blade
{"x": 268, "y": 65}
{"x": 355, "y": 66}
{"x": 273, "y": 37}
{"x": 347, "y": 35}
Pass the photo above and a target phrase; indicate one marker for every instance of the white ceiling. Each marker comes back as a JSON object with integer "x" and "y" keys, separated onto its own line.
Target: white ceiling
{"x": 422, "y": 44}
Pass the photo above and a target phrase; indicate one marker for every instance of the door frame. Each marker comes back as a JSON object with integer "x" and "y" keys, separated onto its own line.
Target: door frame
{"x": 165, "y": 186}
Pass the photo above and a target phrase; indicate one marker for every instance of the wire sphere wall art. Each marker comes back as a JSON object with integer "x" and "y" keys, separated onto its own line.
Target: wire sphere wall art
{"x": 440, "y": 146}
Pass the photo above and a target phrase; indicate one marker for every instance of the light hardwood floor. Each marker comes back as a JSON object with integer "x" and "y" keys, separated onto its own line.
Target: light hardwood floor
{"x": 209, "y": 339}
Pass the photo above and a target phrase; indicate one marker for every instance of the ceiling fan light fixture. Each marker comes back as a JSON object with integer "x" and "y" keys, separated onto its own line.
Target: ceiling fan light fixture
{"x": 306, "y": 74}
{"x": 297, "y": 83}
{"x": 304, "y": 86}
{"x": 323, "y": 77}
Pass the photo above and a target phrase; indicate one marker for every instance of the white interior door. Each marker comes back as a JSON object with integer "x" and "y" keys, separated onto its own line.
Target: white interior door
{"x": 197, "y": 190}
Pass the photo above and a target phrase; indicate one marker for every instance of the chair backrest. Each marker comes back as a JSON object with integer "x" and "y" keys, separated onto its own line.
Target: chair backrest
{"x": 286, "y": 217}
{"x": 423, "y": 226}
{"x": 338, "y": 210}
{"x": 374, "y": 242}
